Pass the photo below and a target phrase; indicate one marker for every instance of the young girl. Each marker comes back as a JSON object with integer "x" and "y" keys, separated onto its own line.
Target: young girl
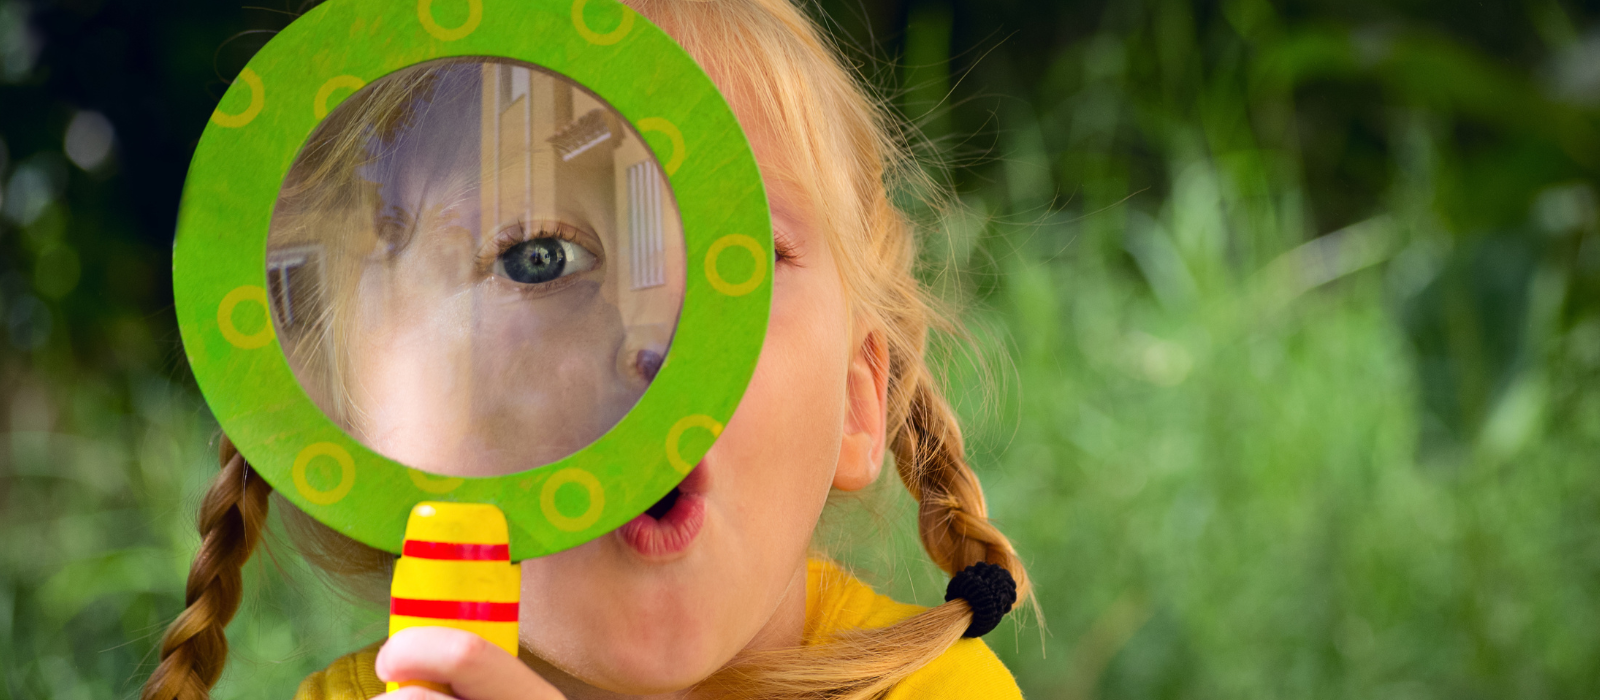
{"x": 718, "y": 595}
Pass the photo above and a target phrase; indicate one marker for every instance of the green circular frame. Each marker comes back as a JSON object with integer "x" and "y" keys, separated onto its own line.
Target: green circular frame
{"x": 219, "y": 262}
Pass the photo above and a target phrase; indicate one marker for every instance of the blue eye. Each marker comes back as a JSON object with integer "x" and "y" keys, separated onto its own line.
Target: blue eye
{"x": 541, "y": 260}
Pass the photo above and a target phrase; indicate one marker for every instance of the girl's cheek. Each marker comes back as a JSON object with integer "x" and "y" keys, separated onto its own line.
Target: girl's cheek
{"x": 806, "y": 342}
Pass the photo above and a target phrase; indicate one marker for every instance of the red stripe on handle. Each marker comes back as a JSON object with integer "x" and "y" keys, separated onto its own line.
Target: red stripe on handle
{"x": 456, "y": 552}
{"x": 453, "y": 610}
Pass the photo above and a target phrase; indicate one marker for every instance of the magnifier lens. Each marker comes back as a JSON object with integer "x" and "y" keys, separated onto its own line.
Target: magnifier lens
{"x": 475, "y": 266}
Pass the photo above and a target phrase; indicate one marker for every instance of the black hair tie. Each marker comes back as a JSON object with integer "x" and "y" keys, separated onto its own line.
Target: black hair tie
{"x": 989, "y": 590}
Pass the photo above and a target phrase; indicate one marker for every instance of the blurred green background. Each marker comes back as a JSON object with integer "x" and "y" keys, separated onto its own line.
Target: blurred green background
{"x": 1284, "y": 322}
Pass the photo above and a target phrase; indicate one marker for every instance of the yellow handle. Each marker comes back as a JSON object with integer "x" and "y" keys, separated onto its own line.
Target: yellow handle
{"x": 430, "y": 685}
{"x": 456, "y": 571}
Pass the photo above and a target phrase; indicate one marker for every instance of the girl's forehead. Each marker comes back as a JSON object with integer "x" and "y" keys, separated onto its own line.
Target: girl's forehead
{"x": 788, "y": 201}
{"x": 790, "y": 195}
{"x": 791, "y": 168}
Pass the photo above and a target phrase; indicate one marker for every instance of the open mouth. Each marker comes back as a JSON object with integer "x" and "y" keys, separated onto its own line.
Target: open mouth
{"x": 664, "y": 506}
{"x": 670, "y": 526}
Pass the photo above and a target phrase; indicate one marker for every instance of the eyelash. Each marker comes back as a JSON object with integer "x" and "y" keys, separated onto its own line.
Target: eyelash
{"x": 510, "y": 236}
{"x": 782, "y": 251}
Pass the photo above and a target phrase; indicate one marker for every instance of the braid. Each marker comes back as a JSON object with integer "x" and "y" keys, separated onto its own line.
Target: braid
{"x": 952, "y": 517}
{"x": 195, "y": 648}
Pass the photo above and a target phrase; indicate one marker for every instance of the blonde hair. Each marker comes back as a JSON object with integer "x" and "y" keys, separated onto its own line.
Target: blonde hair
{"x": 840, "y": 146}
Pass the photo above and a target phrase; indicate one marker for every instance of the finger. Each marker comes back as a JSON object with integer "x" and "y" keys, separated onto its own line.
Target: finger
{"x": 469, "y": 664}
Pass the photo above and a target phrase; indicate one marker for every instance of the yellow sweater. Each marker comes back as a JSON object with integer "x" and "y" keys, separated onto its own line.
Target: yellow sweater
{"x": 835, "y": 602}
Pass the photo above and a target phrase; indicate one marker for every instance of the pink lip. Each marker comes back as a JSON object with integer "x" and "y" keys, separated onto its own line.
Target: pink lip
{"x": 675, "y": 531}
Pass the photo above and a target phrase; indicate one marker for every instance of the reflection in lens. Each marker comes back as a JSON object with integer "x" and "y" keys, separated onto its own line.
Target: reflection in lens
{"x": 475, "y": 267}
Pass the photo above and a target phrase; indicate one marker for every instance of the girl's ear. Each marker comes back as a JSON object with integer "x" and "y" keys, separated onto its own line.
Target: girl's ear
{"x": 867, "y": 395}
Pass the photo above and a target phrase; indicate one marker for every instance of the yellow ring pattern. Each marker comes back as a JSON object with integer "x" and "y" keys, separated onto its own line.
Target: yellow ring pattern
{"x": 320, "y": 108}
{"x": 347, "y": 473}
{"x": 572, "y": 475}
{"x": 231, "y": 300}
{"x": 595, "y": 37}
{"x": 674, "y": 457}
{"x": 258, "y": 100}
{"x": 663, "y": 126}
{"x": 741, "y": 241}
{"x": 434, "y": 484}
{"x": 474, "y": 18}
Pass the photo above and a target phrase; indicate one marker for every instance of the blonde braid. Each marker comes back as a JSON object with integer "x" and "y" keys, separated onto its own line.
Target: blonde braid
{"x": 195, "y": 647}
{"x": 953, "y": 518}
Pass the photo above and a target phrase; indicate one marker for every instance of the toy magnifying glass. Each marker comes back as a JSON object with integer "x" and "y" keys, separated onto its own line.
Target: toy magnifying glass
{"x": 472, "y": 281}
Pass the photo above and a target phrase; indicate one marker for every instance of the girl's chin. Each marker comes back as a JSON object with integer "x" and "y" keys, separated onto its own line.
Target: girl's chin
{"x": 637, "y": 667}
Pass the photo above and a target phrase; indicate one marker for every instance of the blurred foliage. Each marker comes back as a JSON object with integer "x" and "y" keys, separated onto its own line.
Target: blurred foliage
{"x": 1286, "y": 321}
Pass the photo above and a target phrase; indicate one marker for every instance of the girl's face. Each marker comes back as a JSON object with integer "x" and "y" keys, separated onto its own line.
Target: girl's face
{"x": 447, "y": 358}
{"x": 663, "y": 603}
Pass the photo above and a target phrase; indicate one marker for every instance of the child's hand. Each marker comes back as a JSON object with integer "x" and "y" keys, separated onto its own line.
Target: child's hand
{"x": 471, "y": 666}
